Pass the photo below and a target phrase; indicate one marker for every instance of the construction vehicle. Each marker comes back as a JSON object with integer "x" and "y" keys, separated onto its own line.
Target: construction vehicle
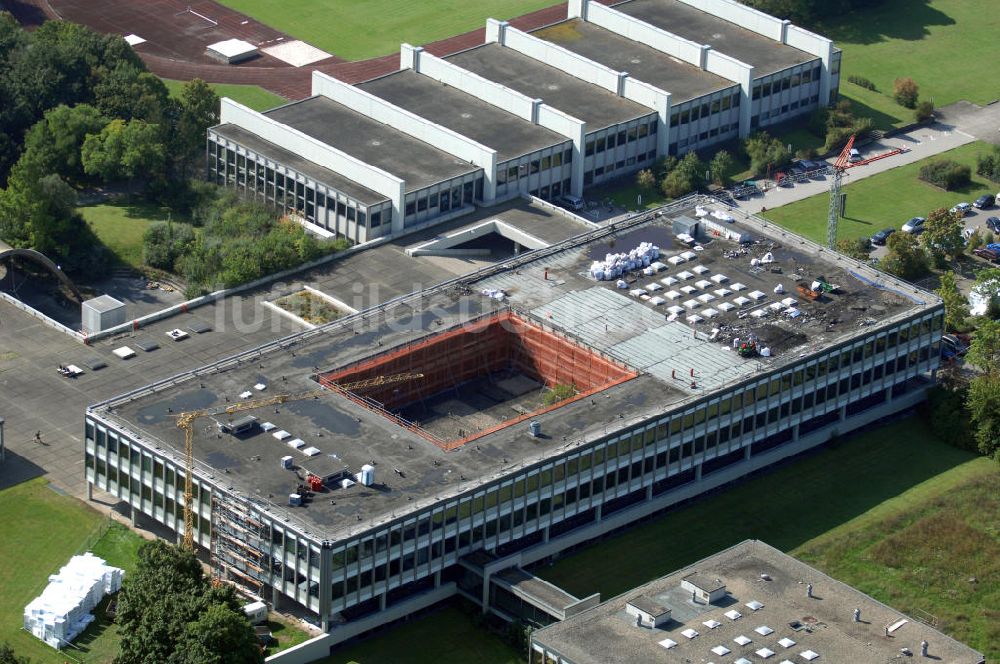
{"x": 186, "y": 420}
{"x": 844, "y": 162}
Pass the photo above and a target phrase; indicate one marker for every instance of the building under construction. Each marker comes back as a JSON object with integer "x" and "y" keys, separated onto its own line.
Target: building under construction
{"x": 439, "y": 443}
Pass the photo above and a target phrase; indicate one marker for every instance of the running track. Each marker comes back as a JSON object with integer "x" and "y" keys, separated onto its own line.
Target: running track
{"x": 289, "y": 82}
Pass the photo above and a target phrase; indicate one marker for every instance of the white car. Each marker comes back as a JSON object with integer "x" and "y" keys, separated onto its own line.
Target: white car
{"x": 914, "y": 225}
{"x": 961, "y": 209}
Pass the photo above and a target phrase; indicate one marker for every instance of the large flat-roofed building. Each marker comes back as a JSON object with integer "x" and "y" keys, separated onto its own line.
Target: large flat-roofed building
{"x": 770, "y": 607}
{"x": 587, "y": 100}
{"x": 426, "y": 458}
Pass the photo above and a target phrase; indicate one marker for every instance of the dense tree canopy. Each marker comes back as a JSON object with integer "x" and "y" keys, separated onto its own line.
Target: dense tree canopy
{"x": 170, "y": 614}
{"x": 808, "y": 11}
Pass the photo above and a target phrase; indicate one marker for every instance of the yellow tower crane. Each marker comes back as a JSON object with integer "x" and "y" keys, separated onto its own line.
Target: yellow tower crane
{"x": 185, "y": 422}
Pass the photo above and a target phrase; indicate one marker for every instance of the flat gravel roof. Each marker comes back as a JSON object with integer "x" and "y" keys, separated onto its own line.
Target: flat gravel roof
{"x": 372, "y": 142}
{"x": 584, "y": 101}
{"x": 449, "y": 107}
{"x": 766, "y": 55}
{"x": 682, "y": 80}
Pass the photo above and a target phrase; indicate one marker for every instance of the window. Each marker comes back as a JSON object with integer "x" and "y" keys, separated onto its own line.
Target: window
{"x": 421, "y": 205}
{"x": 534, "y": 166}
{"x": 674, "y": 119}
{"x": 727, "y": 103}
{"x": 590, "y": 149}
{"x": 796, "y": 79}
{"x": 601, "y": 143}
{"x": 546, "y": 163}
{"x": 621, "y": 137}
{"x": 411, "y": 208}
{"x": 632, "y": 133}
{"x": 766, "y": 90}
{"x": 644, "y": 130}
{"x": 685, "y": 116}
{"x": 716, "y": 105}
{"x": 756, "y": 92}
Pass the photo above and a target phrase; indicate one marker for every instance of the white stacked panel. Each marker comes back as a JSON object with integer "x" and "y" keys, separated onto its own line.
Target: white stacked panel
{"x": 62, "y": 611}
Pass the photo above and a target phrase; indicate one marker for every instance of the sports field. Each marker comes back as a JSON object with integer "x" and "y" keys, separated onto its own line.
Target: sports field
{"x": 949, "y": 47}
{"x": 359, "y": 30}
{"x": 885, "y": 200}
{"x": 253, "y": 96}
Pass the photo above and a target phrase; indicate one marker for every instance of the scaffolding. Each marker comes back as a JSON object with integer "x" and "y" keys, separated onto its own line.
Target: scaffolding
{"x": 241, "y": 543}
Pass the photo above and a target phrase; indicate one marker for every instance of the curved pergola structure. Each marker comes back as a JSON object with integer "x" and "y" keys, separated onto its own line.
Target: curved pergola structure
{"x": 7, "y": 251}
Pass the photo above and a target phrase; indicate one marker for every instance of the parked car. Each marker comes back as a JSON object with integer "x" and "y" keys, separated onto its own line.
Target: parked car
{"x": 993, "y": 223}
{"x": 914, "y": 225}
{"x": 855, "y": 156}
{"x": 961, "y": 209}
{"x": 984, "y": 201}
{"x": 988, "y": 254}
{"x": 574, "y": 203}
{"x": 954, "y": 343}
{"x": 880, "y": 238}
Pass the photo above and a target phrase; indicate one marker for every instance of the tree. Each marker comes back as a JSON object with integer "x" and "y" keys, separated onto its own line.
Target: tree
{"x": 984, "y": 411}
{"x": 924, "y": 111}
{"x": 219, "y": 635}
{"x": 984, "y": 351}
{"x": 942, "y": 236}
{"x": 199, "y": 110}
{"x": 167, "y": 608}
{"x": 905, "y": 92}
{"x": 130, "y": 92}
{"x": 676, "y": 184}
{"x": 765, "y": 152}
{"x": 645, "y": 179}
{"x": 905, "y": 258}
{"x": 956, "y": 307}
{"x": 987, "y": 289}
{"x": 8, "y": 656}
{"x": 857, "y": 248}
{"x": 123, "y": 149}
{"x": 721, "y": 167}
{"x": 54, "y": 142}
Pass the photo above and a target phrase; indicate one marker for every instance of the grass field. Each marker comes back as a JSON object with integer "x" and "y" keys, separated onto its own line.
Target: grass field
{"x": 253, "y": 96}
{"x": 39, "y": 531}
{"x": 361, "y": 30}
{"x": 883, "y": 200}
{"x": 856, "y": 512}
{"x": 446, "y": 636}
{"x": 121, "y": 225}
{"x": 949, "y": 47}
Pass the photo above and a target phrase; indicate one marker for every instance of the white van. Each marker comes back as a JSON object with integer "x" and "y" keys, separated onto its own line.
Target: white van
{"x": 855, "y": 155}
{"x": 574, "y": 203}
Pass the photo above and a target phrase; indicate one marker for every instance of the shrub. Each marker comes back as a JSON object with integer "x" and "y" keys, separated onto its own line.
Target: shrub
{"x": 906, "y": 92}
{"x": 989, "y": 165}
{"x": 863, "y": 82}
{"x": 765, "y": 152}
{"x": 947, "y": 174}
{"x": 163, "y": 243}
{"x": 924, "y": 111}
{"x": 645, "y": 179}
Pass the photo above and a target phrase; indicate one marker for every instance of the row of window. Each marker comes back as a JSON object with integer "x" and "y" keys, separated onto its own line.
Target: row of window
{"x": 601, "y": 171}
{"x": 768, "y": 88}
{"x": 703, "y": 111}
{"x": 442, "y": 201}
{"x": 620, "y": 138}
{"x": 515, "y": 172}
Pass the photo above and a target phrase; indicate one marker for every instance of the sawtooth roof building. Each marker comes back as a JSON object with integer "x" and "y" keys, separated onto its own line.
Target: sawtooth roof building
{"x": 426, "y": 461}
{"x": 549, "y": 113}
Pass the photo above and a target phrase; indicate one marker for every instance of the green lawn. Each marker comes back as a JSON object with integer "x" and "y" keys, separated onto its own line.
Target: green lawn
{"x": 253, "y": 96}
{"x": 39, "y": 531}
{"x": 949, "y": 47}
{"x": 446, "y": 636}
{"x": 360, "y": 30}
{"x": 870, "y": 511}
{"x": 883, "y": 200}
{"x": 121, "y": 225}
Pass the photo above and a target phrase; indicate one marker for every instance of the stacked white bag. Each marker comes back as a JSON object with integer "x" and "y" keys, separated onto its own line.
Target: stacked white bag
{"x": 615, "y": 265}
{"x": 62, "y": 611}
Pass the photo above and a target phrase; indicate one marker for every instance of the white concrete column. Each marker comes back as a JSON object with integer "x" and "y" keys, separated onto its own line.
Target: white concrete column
{"x": 697, "y": 472}
{"x": 576, "y": 178}
{"x": 703, "y": 63}
{"x": 496, "y": 31}
{"x": 577, "y": 9}
{"x": 90, "y": 487}
{"x": 825, "y": 76}
{"x": 784, "y": 30}
{"x": 746, "y": 100}
{"x": 409, "y": 57}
